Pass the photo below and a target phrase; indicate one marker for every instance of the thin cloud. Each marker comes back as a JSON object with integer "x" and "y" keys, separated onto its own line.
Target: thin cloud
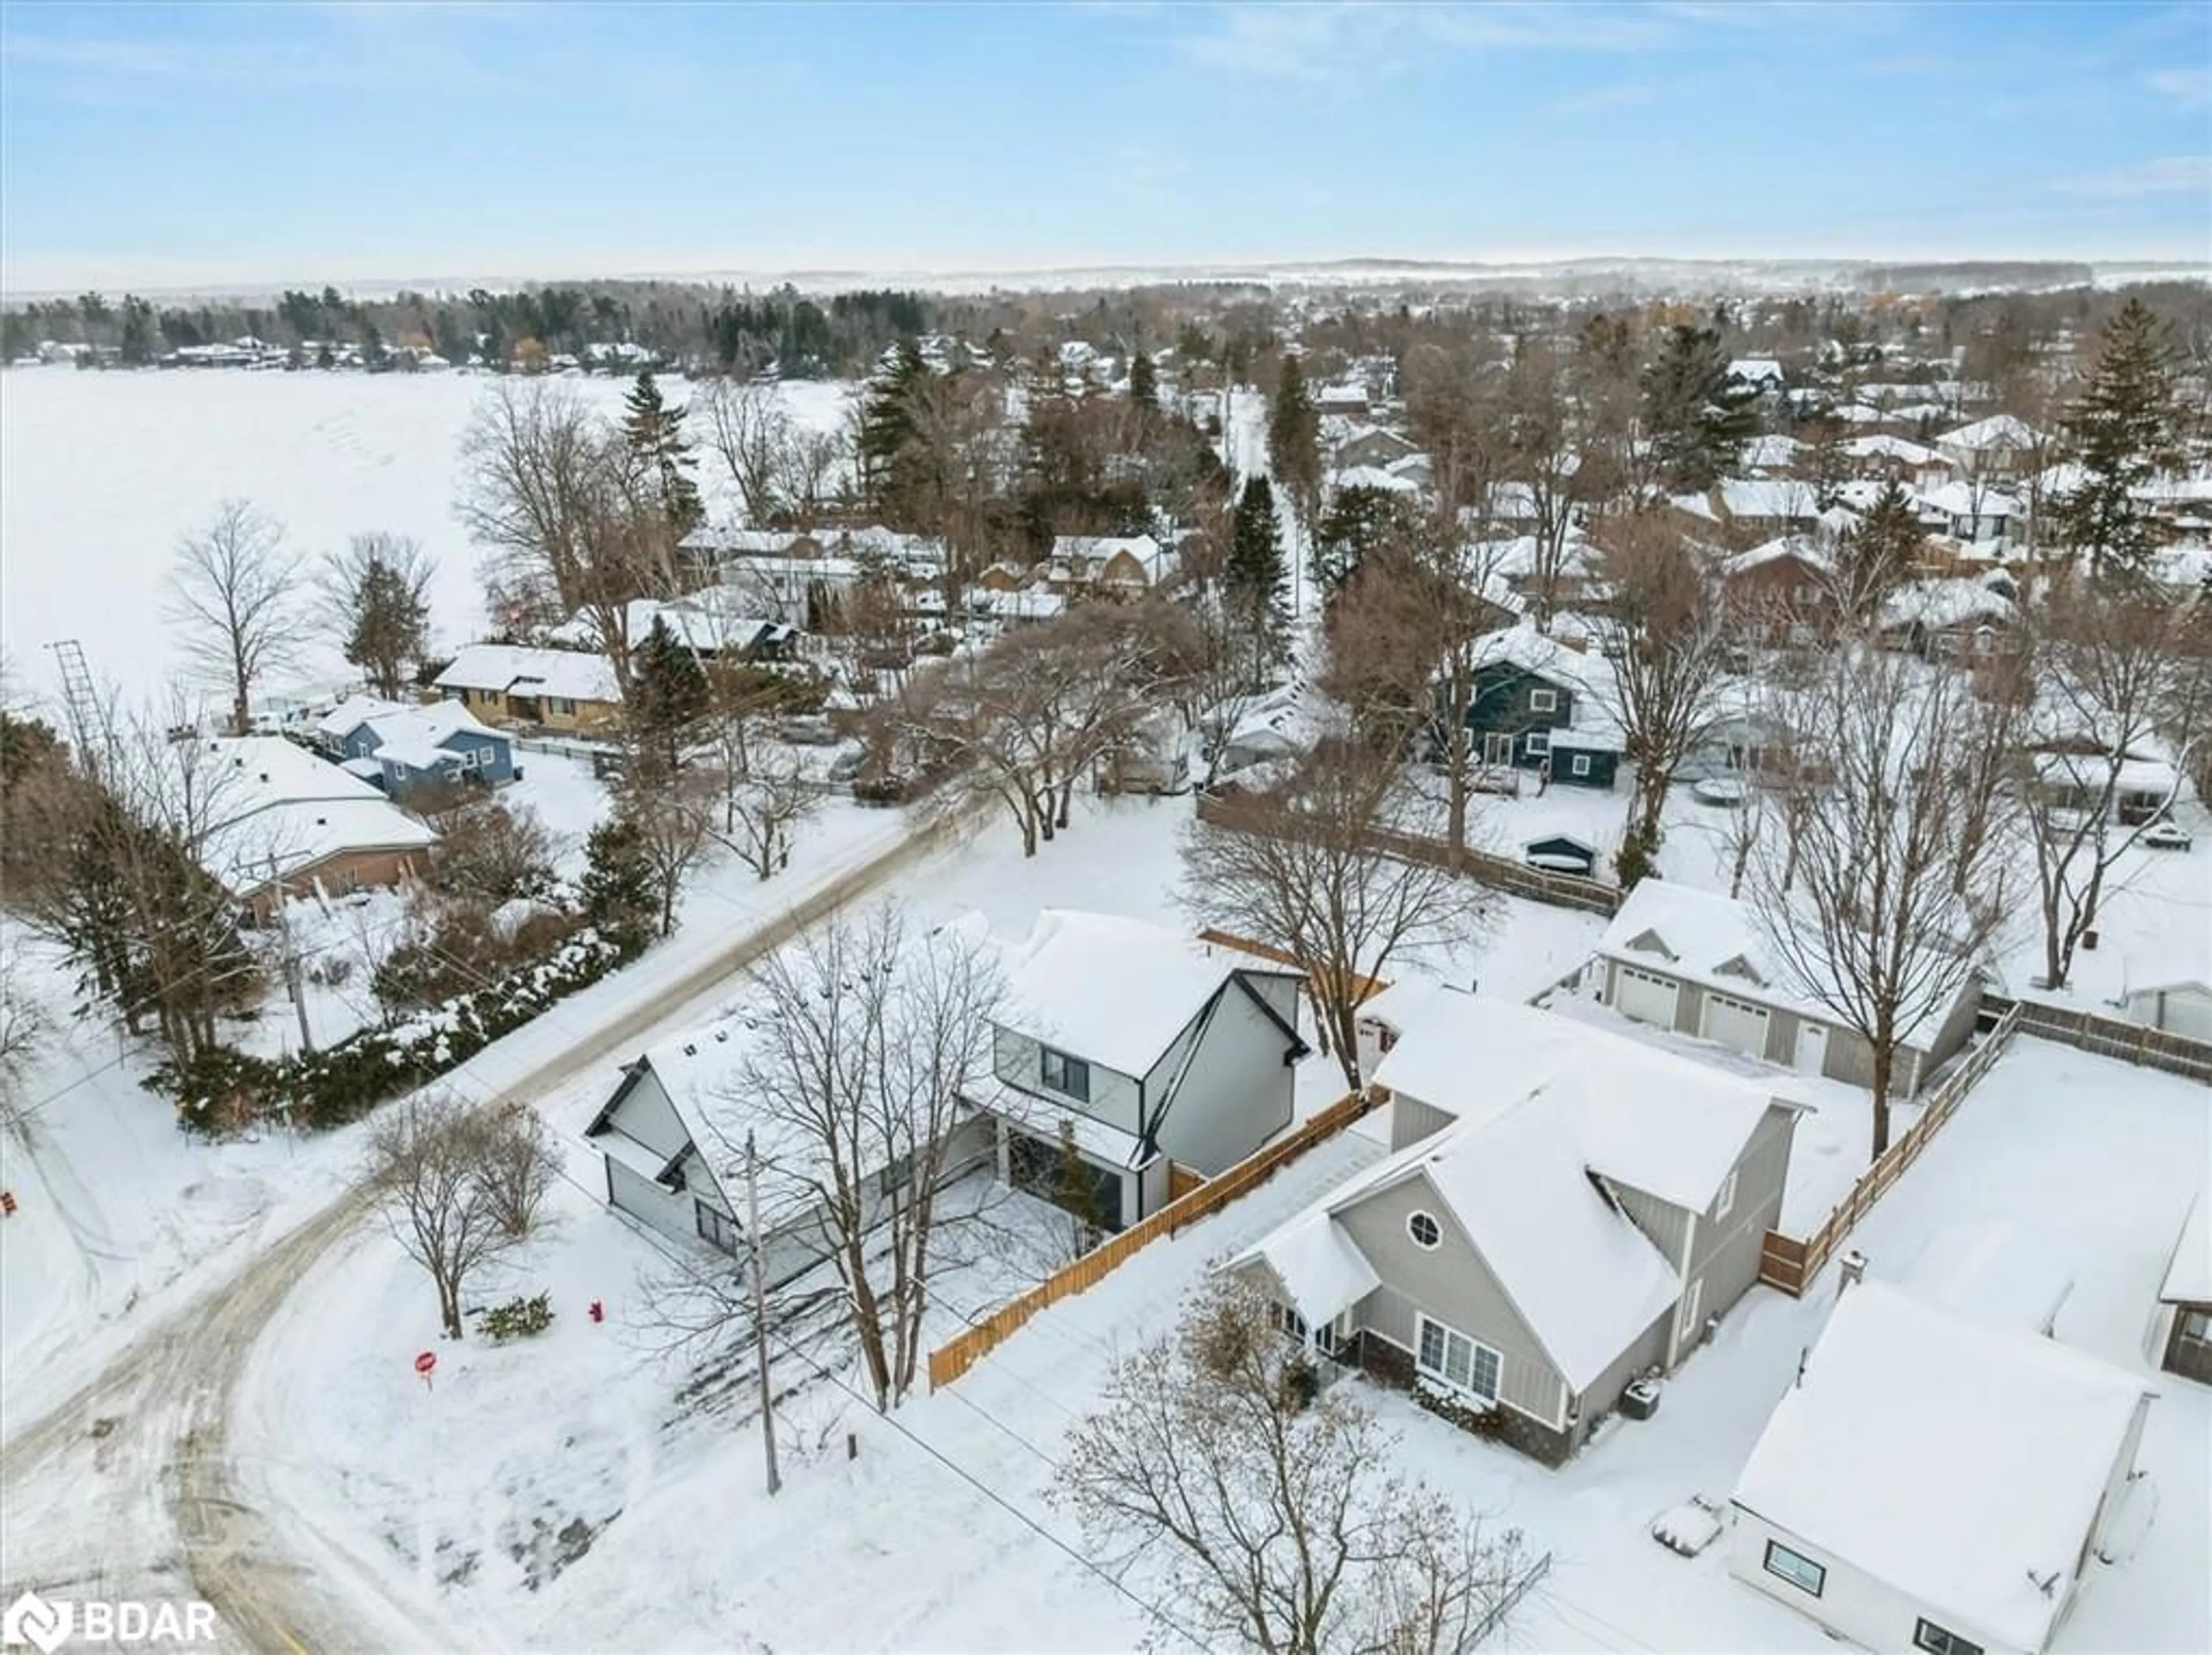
{"x": 2190, "y": 88}
{"x": 1333, "y": 40}
{"x": 2165, "y": 175}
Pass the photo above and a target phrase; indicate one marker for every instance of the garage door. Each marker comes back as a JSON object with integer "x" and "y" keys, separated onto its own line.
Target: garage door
{"x": 1646, "y": 998}
{"x": 1737, "y": 1024}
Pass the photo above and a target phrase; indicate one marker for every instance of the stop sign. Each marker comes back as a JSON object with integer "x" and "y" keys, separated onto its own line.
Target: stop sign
{"x": 426, "y": 1362}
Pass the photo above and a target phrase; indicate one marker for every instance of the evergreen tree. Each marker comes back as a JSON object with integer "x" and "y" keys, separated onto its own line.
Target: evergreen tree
{"x": 1698, "y": 419}
{"x": 2124, "y": 430}
{"x": 887, "y": 434}
{"x": 1358, "y": 520}
{"x": 1294, "y": 436}
{"x": 391, "y": 627}
{"x": 621, "y": 894}
{"x": 668, "y": 691}
{"x": 1875, "y": 553}
{"x": 136, "y": 347}
{"x": 1252, "y": 581}
{"x": 1144, "y": 382}
{"x": 655, "y": 432}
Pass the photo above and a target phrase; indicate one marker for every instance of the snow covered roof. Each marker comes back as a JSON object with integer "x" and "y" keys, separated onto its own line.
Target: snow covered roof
{"x": 1756, "y": 370}
{"x": 1111, "y": 990}
{"x": 1805, "y": 548}
{"x": 1960, "y": 1465}
{"x": 1703, "y": 937}
{"x": 1944, "y": 603}
{"x": 1881, "y": 447}
{"x": 570, "y": 674}
{"x": 1997, "y": 432}
{"x": 1320, "y": 1266}
{"x": 282, "y": 809}
{"x": 1964, "y": 499}
{"x": 2188, "y": 1276}
{"x": 1524, "y": 646}
{"x": 415, "y": 736}
{"x": 1767, "y": 497}
{"x": 1771, "y": 453}
{"x": 1374, "y": 476}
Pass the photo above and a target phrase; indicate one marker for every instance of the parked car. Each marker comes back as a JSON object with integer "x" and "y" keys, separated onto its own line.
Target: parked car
{"x": 2166, "y": 833}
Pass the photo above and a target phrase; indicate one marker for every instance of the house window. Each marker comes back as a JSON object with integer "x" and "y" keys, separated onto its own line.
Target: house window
{"x": 1457, "y": 1361}
{"x": 2196, "y": 1325}
{"x": 1068, "y": 1076}
{"x": 487, "y": 756}
{"x": 1580, "y": 764}
{"x": 1801, "y": 1573}
{"x": 1425, "y": 1230}
{"x": 468, "y": 760}
{"x": 1726, "y": 1197}
{"x": 562, "y": 705}
{"x": 1543, "y": 701}
{"x": 1927, "y": 1635}
{"x": 1537, "y": 743}
{"x": 717, "y": 1227}
{"x": 1287, "y": 1322}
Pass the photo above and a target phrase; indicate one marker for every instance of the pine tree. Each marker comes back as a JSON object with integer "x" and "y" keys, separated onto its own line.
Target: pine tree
{"x": 1697, "y": 417}
{"x": 391, "y": 627}
{"x": 655, "y": 432}
{"x": 2124, "y": 430}
{"x": 668, "y": 691}
{"x": 1358, "y": 520}
{"x": 1144, "y": 381}
{"x": 1294, "y": 436}
{"x": 1252, "y": 581}
{"x": 1875, "y": 553}
{"x": 619, "y": 891}
{"x": 887, "y": 432}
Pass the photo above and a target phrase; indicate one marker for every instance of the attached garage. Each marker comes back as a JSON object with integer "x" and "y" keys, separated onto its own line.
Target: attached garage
{"x": 1736, "y": 1023}
{"x": 1644, "y": 997}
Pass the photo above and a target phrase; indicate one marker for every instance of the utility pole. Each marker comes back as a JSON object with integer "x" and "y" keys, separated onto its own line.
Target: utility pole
{"x": 760, "y": 1312}
{"x": 292, "y": 984}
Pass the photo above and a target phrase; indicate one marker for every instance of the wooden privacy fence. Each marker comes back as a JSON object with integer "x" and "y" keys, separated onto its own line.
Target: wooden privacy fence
{"x": 2109, "y": 1036}
{"x": 1362, "y": 988}
{"x": 1560, "y": 890}
{"x": 1790, "y": 1264}
{"x": 949, "y": 1361}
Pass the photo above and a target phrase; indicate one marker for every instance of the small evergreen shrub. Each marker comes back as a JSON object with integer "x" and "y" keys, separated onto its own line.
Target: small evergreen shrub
{"x": 519, "y": 1318}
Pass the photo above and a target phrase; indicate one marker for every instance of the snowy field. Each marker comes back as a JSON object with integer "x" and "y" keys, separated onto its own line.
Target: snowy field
{"x": 103, "y": 472}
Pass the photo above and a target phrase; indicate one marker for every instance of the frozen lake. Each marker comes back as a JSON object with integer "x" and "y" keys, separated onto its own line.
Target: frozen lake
{"x": 100, "y": 474}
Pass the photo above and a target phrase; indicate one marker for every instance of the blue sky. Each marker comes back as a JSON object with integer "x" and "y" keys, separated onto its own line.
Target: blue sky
{"x": 148, "y": 145}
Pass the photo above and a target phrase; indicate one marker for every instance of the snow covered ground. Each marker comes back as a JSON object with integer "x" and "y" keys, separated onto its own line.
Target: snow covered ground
{"x": 105, "y": 470}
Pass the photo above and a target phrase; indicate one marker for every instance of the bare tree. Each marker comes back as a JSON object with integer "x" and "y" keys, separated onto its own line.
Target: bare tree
{"x": 1665, "y": 632}
{"x": 1310, "y": 868}
{"x": 867, "y": 1033}
{"x": 23, "y": 1031}
{"x": 235, "y": 593}
{"x": 1884, "y": 909}
{"x": 813, "y": 474}
{"x": 1271, "y": 1514}
{"x": 569, "y": 519}
{"x": 674, "y": 814}
{"x": 763, "y": 807}
{"x": 2114, "y": 667}
{"x": 517, "y": 1164}
{"x": 430, "y": 1159}
{"x": 748, "y": 428}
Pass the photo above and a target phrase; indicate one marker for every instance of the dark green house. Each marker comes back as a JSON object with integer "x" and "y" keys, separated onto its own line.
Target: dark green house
{"x": 1534, "y": 710}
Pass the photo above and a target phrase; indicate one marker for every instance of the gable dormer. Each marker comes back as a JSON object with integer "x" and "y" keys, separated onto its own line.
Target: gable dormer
{"x": 1650, "y": 942}
{"x": 1739, "y": 967}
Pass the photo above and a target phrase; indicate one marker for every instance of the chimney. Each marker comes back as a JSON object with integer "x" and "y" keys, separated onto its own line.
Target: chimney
{"x": 1853, "y": 1265}
{"x": 1576, "y": 641}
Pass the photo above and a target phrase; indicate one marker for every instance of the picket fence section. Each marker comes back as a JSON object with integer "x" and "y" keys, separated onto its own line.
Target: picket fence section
{"x": 1789, "y": 1263}
{"x": 949, "y": 1361}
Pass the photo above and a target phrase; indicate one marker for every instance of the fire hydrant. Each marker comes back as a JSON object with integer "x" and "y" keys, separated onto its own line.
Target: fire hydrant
{"x": 598, "y": 1311}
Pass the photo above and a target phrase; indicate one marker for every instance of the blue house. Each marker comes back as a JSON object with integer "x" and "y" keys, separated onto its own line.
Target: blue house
{"x": 1535, "y": 708}
{"x": 398, "y": 748}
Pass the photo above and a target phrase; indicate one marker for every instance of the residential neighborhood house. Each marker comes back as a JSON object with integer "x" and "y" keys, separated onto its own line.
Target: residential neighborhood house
{"x": 514, "y": 683}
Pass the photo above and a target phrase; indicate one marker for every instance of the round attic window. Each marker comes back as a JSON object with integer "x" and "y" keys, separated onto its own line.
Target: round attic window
{"x": 1423, "y": 1229}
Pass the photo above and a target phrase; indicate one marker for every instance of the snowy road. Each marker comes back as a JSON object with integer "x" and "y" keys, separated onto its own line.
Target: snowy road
{"x": 129, "y": 1489}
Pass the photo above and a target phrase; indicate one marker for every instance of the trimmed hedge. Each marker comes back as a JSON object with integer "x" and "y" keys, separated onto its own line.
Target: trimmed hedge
{"x": 223, "y": 1090}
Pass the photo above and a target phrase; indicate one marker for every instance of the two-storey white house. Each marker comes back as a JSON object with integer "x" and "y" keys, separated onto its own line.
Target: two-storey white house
{"x": 1143, "y": 1047}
